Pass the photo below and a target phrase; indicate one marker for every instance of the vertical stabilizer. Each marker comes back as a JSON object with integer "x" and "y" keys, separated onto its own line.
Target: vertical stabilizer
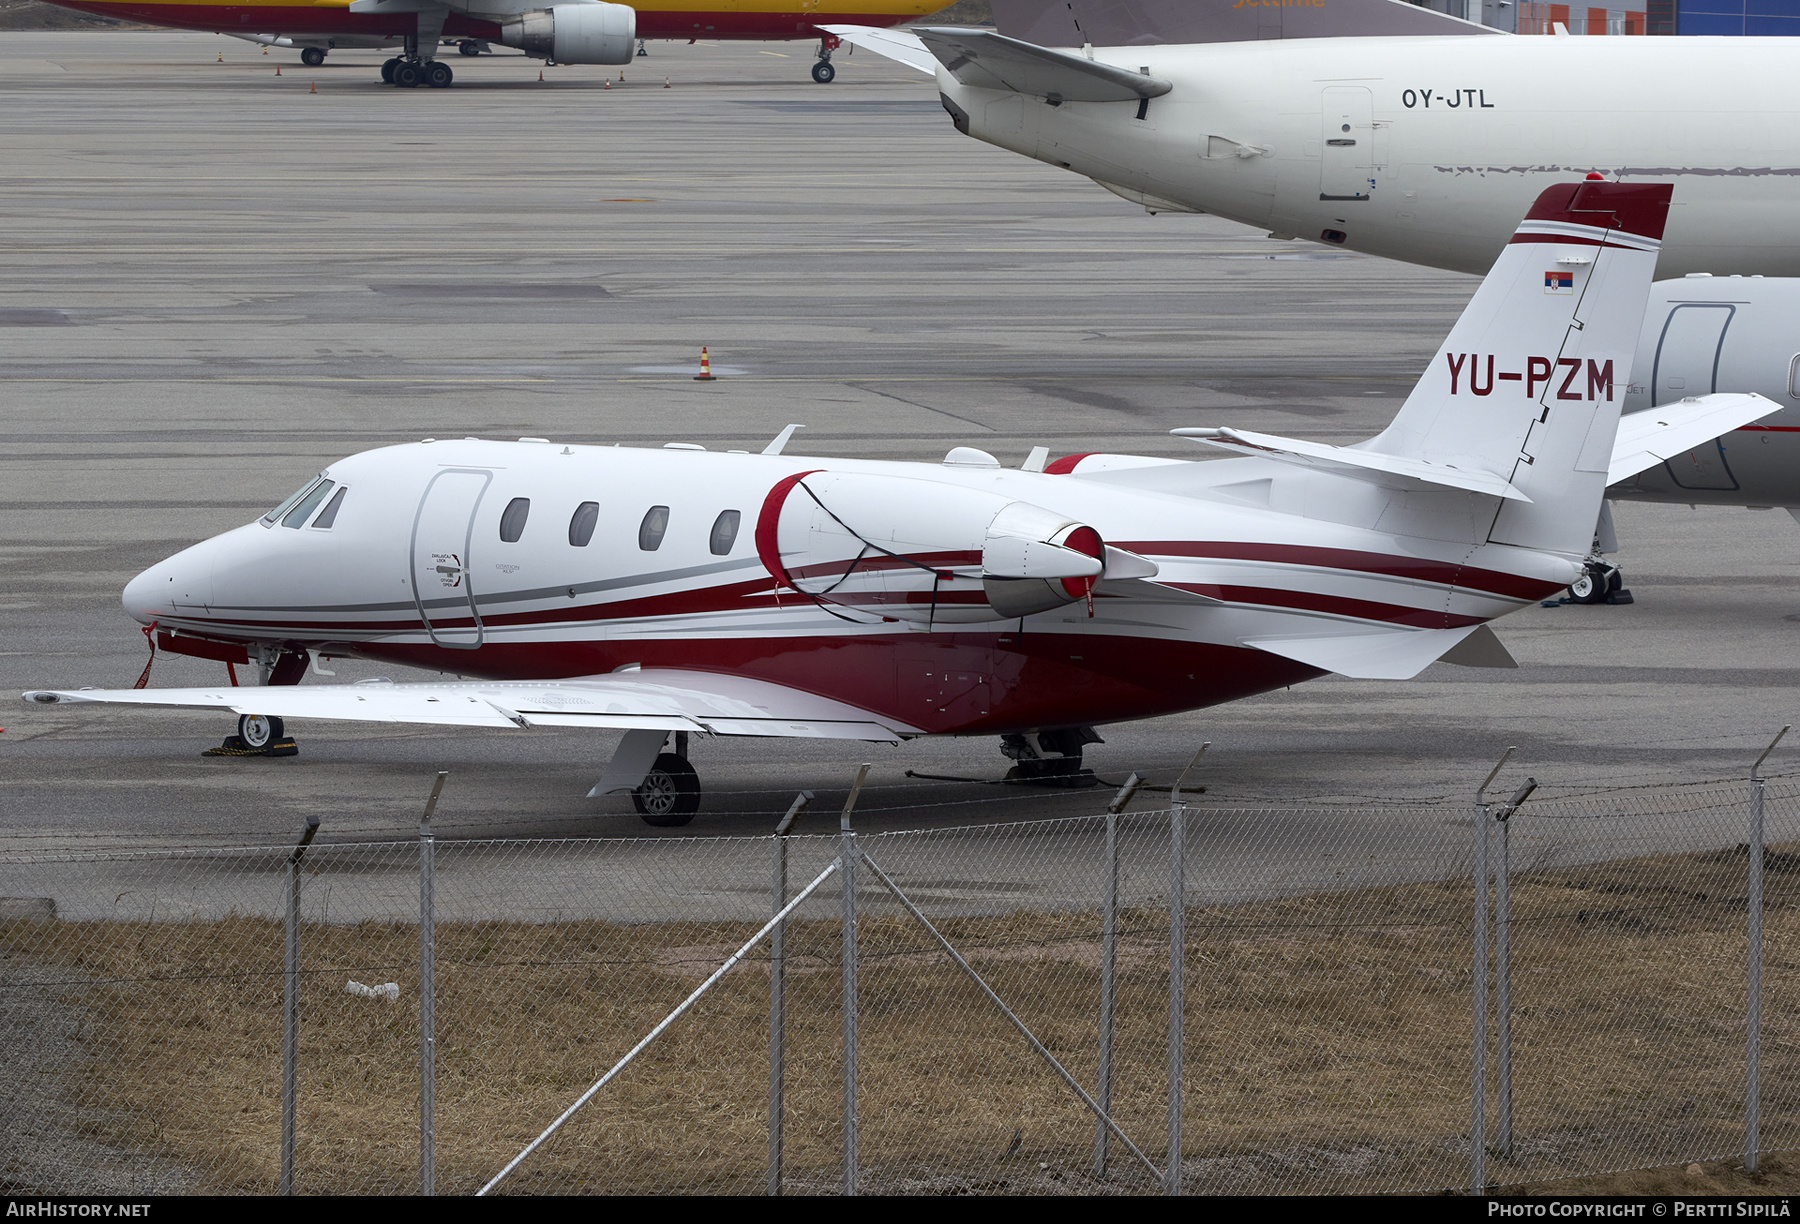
{"x": 1529, "y": 384}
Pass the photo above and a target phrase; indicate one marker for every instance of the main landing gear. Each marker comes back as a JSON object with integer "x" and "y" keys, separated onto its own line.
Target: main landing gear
{"x": 669, "y": 795}
{"x": 312, "y": 57}
{"x": 410, "y": 73}
{"x": 822, "y": 71}
{"x": 1050, "y": 758}
{"x": 257, "y": 735}
{"x": 1600, "y": 583}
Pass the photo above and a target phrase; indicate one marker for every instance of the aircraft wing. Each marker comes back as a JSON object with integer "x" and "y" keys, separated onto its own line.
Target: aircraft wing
{"x": 986, "y": 60}
{"x": 652, "y": 700}
{"x": 899, "y": 45}
{"x": 1647, "y": 438}
{"x": 1394, "y": 471}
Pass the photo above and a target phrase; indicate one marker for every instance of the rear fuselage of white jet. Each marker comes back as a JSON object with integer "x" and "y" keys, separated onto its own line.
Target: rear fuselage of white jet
{"x": 1428, "y": 150}
{"x": 623, "y": 558}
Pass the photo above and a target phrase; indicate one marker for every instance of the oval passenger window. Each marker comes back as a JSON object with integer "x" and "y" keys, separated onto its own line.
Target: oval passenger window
{"x": 652, "y": 529}
{"x": 328, "y": 515}
{"x": 512, "y": 519}
{"x": 300, "y": 513}
{"x": 581, "y": 526}
{"x": 724, "y": 532}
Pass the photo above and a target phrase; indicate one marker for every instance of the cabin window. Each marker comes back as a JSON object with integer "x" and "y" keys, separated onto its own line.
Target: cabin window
{"x": 653, "y": 528}
{"x": 274, "y": 516}
{"x": 512, "y": 519}
{"x": 581, "y": 526}
{"x": 724, "y": 532}
{"x": 328, "y": 515}
{"x": 297, "y": 517}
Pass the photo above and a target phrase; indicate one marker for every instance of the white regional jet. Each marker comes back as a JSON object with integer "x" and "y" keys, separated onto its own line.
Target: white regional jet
{"x": 672, "y": 591}
{"x": 1422, "y": 148}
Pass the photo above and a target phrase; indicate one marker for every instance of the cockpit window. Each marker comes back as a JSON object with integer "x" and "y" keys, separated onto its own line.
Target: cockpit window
{"x": 300, "y": 513}
{"x": 581, "y": 526}
{"x": 328, "y": 515}
{"x": 653, "y": 528}
{"x": 512, "y": 519}
{"x": 274, "y": 516}
{"x": 724, "y": 532}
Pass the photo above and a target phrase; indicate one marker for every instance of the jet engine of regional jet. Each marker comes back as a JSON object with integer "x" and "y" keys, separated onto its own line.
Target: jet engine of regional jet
{"x": 917, "y": 550}
{"x": 574, "y": 33}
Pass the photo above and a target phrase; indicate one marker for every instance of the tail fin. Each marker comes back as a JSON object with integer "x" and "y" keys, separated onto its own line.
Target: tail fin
{"x": 1530, "y": 382}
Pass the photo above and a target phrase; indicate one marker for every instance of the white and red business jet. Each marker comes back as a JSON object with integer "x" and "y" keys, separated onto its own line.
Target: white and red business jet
{"x": 675, "y": 591}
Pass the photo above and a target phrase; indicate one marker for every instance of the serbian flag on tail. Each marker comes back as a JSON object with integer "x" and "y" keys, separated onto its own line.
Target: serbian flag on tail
{"x": 1559, "y": 282}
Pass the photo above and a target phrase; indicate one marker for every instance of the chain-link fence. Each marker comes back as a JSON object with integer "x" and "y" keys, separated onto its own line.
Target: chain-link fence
{"x": 1012, "y": 1028}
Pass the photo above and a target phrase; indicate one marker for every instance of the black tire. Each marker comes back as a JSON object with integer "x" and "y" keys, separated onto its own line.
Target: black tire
{"x": 823, "y": 72}
{"x": 438, "y": 74}
{"x": 259, "y": 730}
{"x": 312, "y": 57}
{"x": 406, "y": 75}
{"x": 670, "y": 793}
{"x": 469, "y": 46}
{"x": 387, "y": 70}
{"x": 1597, "y": 581}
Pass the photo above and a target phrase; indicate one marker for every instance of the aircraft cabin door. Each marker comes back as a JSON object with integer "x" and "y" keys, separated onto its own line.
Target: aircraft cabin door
{"x": 1687, "y": 363}
{"x": 442, "y": 573}
{"x": 1349, "y": 159}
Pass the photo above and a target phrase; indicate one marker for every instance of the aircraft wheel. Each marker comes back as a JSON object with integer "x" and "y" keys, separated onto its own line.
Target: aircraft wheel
{"x": 258, "y": 730}
{"x": 469, "y": 46}
{"x": 670, "y": 793}
{"x": 406, "y": 74}
{"x": 823, "y": 72}
{"x": 438, "y": 75}
{"x": 312, "y": 57}
{"x": 387, "y": 70}
{"x": 1597, "y": 582}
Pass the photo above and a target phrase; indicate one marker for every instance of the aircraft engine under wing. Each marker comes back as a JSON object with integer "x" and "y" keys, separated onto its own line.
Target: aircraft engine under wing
{"x": 1647, "y": 438}
{"x": 986, "y": 60}
{"x": 654, "y": 700}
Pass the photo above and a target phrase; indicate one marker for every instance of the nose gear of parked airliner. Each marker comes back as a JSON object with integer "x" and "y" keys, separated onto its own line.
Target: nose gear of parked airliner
{"x": 823, "y": 72}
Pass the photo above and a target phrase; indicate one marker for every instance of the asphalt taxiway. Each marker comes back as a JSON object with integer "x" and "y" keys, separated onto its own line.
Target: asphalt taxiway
{"x": 217, "y": 280}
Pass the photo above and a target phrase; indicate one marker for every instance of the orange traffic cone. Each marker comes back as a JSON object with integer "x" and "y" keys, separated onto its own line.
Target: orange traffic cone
{"x": 277, "y": 69}
{"x": 665, "y": 82}
{"x": 315, "y": 88}
{"x": 705, "y": 374}
{"x": 221, "y": 57}
{"x": 605, "y": 84}
{"x": 265, "y": 50}
{"x": 540, "y": 74}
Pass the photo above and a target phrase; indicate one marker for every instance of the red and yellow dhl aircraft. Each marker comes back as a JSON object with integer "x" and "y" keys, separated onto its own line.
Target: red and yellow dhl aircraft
{"x": 578, "y": 32}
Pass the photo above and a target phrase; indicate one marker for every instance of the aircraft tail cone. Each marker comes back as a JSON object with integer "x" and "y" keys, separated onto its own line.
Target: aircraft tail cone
{"x": 705, "y": 374}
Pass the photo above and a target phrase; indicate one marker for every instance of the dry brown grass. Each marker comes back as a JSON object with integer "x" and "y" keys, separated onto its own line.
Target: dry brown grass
{"x": 1327, "y": 1043}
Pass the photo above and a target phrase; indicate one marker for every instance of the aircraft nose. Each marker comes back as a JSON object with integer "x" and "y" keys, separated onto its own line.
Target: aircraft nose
{"x": 184, "y": 580}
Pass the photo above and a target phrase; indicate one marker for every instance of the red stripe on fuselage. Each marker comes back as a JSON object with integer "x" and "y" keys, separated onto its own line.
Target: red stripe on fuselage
{"x": 1419, "y": 569}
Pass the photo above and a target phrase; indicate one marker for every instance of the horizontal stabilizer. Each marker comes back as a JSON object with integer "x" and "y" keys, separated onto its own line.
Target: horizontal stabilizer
{"x": 902, "y": 46}
{"x": 1647, "y": 438}
{"x": 1395, "y": 654}
{"x": 1480, "y": 649}
{"x": 1392, "y": 471}
{"x": 983, "y": 59}
{"x": 654, "y": 700}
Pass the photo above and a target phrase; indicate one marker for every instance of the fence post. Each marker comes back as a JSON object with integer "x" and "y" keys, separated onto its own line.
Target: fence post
{"x": 290, "y": 1009}
{"x": 1503, "y": 1139}
{"x": 1109, "y": 964}
{"x": 1753, "y": 1022}
{"x": 848, "y": 1005}
{"x": 428, "y": 995}
{"x": 1478, "y": 971}
{"x": 777, "y": 996}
